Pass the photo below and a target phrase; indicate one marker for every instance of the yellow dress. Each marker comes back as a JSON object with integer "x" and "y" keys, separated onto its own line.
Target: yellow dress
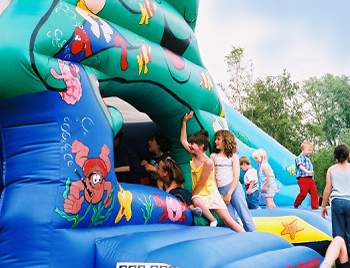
{"x": 209, "y": 194}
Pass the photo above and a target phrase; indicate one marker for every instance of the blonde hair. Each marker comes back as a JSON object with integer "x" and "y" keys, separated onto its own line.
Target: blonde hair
{"x": 228, "y": 140}
{"x": 261, "y": 154}
{"x": 304, "y": 144}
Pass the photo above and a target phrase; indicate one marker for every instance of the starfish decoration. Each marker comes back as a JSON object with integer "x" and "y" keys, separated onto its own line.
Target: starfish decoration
{"x": 291, "y": 228}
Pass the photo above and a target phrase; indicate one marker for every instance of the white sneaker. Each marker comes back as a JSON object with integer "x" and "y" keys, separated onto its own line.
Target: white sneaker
{"x": 213, "y": 224}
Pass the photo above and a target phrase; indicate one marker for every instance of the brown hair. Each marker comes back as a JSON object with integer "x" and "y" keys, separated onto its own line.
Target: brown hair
{"x": 341, "y": 153}
{"x": 162, "y": 141}
{"x": 244, "y": 160}
{"x": 229, "y": 142}
{"x": 201, "y": 138}
{"x": 173, "y": 170}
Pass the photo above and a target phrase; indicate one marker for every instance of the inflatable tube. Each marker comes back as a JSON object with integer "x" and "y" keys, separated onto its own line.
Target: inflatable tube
{"x": 78, "y": 247}
{"x": 115, "y": 249}
{"x": 303, "y": 257}
{"x": 176, "y": 249}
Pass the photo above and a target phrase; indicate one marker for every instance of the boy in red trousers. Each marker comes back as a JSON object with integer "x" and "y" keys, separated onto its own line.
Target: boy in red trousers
{"x": 305, "y": 176}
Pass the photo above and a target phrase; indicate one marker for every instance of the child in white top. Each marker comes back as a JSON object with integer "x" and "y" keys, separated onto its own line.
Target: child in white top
{"x": 251, "y": 183}
{"x": 267, "y": 178}
{"x": 227, "y": 171}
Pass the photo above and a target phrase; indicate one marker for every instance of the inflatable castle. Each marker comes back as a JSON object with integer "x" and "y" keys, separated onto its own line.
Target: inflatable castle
{"x": 60, "y": 59}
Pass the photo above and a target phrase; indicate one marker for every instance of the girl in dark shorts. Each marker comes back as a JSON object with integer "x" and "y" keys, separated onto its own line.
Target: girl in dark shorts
{"x": 171, "y": 176}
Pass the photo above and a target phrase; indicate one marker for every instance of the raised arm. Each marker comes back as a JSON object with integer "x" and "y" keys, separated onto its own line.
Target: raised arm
{"x": 183, "y": 135}
{"x": 207, "y": 169}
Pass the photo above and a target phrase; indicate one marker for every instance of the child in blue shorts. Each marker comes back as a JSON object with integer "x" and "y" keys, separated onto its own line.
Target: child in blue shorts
{"x": 251, "y": 183}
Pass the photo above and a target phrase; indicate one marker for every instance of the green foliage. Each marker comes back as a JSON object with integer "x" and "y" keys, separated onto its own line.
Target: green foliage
{"x": 322, "y": 159}
{"x": 328, "y": 100}
{"x": 235, "y": 56}
{"x": 273, "y": 105}
{"x": 318, "y": 110}
{"x": 344, "y": 137}
{"x": 328, "y": 116}
{"x": 241, "y": 78}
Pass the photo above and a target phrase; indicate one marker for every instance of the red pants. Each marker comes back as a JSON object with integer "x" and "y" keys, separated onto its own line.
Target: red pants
{"x": 307, "y": 185}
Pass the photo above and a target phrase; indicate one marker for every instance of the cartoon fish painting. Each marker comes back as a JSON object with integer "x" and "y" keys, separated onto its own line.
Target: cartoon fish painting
{"x": 144, "y": 58}
{"x": 147, "y": 9}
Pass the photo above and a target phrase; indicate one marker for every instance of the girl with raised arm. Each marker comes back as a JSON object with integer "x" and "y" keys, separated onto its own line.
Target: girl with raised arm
{"x": 205, "y": 193}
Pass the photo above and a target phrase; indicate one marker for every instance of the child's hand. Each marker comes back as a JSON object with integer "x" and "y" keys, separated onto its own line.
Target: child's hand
{"x": 150, "y": 168}
{"x": 226, "y": 198}
{"x": 143, "y": 163}
{"x": 324, "y": 212}
{"x": 264, "y": 189}
{"x": 311, "y": 172}
{"x": 187, "y": 116}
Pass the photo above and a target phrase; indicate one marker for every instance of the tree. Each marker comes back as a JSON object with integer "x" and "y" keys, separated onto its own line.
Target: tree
{"x": 322, "y": 159}
{"x": 327, "y": 102}
{"x": 274, "y": 105}
{"x": 241, "y": 78}
{"x": 327, "y": 105}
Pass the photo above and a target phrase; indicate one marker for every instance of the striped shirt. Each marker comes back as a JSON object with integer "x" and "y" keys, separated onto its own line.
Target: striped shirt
{"x": 304, "y": 160}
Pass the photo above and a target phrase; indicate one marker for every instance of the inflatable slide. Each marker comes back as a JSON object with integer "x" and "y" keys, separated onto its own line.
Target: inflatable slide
{"x": 60, "y": 58}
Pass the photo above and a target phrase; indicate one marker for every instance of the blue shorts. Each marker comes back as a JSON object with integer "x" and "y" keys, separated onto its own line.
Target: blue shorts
{"x": 253, "y": 200}
{"x": 341, "y": 219}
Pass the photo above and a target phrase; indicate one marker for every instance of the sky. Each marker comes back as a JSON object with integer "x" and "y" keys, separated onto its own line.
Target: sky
{"x": 306, "y": 37}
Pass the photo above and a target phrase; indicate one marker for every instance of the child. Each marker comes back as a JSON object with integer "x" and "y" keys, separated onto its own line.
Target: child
{"x": 121, "y": 165}
{"x": 266, "y": 176}
{"x": 127, "y": 161}
{"x": 251, "y": 183}
{"x": 338, "y": 188}
{"x": 305, "y": 176}
{"x": 227, "y": 171}
{"x": 158, "y": 146}
{"x": 336, "y": 252}
{"x": 171, "y": 176}
{"x": 205, "y": 193}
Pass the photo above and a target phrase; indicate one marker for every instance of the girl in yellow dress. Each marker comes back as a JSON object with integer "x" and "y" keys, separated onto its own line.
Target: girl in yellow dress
{"x": 205, "y": 193}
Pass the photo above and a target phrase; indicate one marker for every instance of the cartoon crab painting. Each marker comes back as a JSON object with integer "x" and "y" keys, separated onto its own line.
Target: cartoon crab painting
{"x": 93, "y": 184}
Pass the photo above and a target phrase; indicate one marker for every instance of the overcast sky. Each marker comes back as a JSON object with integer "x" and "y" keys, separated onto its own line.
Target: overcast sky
{"x": 307, "y": 37}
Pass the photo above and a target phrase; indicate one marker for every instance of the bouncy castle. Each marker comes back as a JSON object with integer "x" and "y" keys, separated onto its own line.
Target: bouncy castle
{"x": 60, "y": 58}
